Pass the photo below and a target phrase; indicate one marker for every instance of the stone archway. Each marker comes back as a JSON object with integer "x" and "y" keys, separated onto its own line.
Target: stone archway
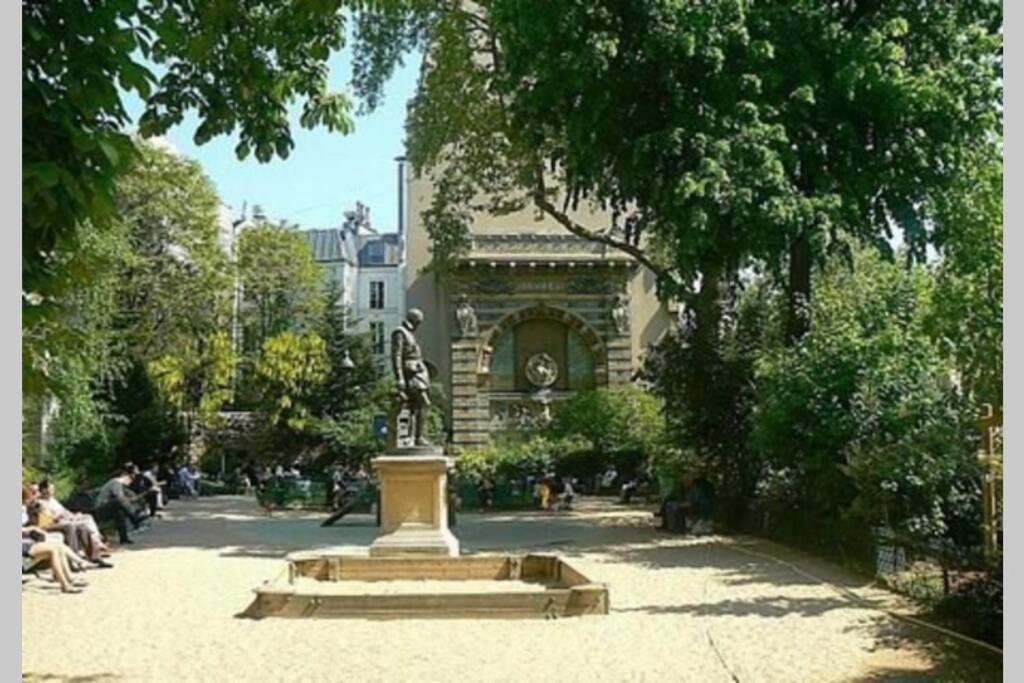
{"x": 591, "y": 339}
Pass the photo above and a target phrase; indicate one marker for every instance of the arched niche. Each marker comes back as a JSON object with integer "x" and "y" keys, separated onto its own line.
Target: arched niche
{"x": 577, "y": 329}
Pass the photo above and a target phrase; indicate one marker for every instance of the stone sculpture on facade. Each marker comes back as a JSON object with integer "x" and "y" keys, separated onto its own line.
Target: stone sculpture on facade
{"x": 466, "y": 317}
{"x": 412, "y": 379}
{"x": 620, "y": 314}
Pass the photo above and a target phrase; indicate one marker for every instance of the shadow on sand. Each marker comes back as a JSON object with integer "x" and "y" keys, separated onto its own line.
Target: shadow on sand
{"x": 237, "y": 528}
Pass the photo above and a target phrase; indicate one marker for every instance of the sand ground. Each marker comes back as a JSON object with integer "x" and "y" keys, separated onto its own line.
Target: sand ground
{"x": 682, "y": 609}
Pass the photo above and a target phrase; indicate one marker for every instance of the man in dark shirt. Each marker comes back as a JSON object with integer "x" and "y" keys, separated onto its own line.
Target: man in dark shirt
{"x": 146, "y": 488}
{"x": 112, "y": 503}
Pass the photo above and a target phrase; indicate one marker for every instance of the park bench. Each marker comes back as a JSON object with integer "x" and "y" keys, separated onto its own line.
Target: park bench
{"x": 507, "y": 495}
{"x": 290, "y": 493}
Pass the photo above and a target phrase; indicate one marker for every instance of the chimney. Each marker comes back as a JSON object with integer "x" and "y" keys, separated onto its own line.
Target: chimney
{"x": 401, "y": 196}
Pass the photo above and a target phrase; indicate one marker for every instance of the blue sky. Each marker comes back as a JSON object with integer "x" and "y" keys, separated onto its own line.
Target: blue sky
{"x": 326, "y": 173}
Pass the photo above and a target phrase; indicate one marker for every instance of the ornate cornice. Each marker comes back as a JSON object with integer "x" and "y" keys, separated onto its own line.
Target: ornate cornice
{"x": 525, "y": 247}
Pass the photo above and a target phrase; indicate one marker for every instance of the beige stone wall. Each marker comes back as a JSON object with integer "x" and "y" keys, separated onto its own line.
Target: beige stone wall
{"x": 422, "y": 289}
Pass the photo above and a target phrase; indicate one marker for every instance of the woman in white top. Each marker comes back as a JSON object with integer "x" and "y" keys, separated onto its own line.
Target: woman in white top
{"x": 62, "y": 517}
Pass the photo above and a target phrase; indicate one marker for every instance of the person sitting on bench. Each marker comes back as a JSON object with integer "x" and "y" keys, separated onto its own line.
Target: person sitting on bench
{"x": 80, "y": 531}
{"x": 36, "y": 548}
{"x": 143, "y": 485}
{"x": 113, "y": 503}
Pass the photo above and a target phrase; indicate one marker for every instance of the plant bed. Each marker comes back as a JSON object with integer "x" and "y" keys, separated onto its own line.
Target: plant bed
{"x": 472, "y": 587}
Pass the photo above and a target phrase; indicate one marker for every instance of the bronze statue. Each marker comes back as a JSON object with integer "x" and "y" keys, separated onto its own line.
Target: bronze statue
{"x": 412, "y": 379}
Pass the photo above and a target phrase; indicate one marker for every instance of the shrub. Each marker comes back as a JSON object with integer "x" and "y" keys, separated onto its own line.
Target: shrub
{"x": 976, "y": 605}
{"x": 858, "y": 423}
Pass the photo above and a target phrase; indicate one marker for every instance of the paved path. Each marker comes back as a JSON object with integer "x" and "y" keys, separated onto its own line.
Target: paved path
{"x": 714, "y": 609}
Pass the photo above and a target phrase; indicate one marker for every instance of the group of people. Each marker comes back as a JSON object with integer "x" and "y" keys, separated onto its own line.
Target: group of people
{"x": 253, "y": 478}
{"x": 70, "y": 540}
{"x": 553, "y": 493}
{"x": 67, "y": 541}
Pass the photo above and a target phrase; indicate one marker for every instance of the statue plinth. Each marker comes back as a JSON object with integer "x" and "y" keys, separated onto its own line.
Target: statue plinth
{"x": 414, "y": 503}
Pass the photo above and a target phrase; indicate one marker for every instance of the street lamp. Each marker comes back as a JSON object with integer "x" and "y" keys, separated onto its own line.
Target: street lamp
{"x": 346, "y": 362}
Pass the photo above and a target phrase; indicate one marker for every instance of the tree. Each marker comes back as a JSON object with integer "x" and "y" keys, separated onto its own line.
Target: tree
{"x": 710, "y": 398}
{"x": 713, "y": 132}
{"x": 290, "y": 370}
{"x": 968, "y": 314}
{"x": 859, "y": 424}
{"x": 238, "y": 66}
{"x": 74, "y": 344}
{"x": 614, "y": 419}
{"x": 176, "y": 283}
{"x": 198, "y": 379}
{"x": 346, "y": 389}
{"x": 281, "y": 283}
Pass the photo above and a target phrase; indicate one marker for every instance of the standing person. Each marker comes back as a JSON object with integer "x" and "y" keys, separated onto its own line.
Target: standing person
{"x": 113, "y": 503}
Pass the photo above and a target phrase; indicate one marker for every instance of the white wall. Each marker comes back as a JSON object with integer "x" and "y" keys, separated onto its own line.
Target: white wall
{"x": 391, "y": 315}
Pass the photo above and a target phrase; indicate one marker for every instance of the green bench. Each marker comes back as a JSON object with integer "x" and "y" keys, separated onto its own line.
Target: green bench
{"x": 298, "y": 494}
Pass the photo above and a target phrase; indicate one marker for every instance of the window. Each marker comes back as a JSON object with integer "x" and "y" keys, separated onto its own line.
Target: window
{"x": 373, "y": 254}
{"x": 377, "y": 294}
{"x": 377, "y": 337}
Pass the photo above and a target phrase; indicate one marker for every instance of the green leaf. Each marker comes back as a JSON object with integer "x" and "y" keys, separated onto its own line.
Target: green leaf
{"x": 47, "y": 172}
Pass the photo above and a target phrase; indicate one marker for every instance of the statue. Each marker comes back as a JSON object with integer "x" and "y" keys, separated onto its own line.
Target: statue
{"x": 466, "y": 317}
{"x": 541, "y": 370}
{"x": 412, "y": 379}
{"x": 620, "y": 314}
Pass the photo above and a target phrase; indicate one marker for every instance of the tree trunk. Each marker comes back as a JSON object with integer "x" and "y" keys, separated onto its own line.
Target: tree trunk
{"x": 708, "y": 315}
{"x": 799, "y": 289}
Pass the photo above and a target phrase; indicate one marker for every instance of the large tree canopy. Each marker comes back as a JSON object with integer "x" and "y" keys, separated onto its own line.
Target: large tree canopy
{"x": 712, "y": 131}
{"x": 281, "y": 283}
{"x": 237, "y": 65}
{"x": 176, "y": 284}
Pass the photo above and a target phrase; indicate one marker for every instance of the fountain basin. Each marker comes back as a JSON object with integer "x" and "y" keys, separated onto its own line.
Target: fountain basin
{"x": 471, "y": 587}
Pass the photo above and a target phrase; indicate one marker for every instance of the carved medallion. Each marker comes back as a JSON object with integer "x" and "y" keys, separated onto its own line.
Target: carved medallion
{"x": 541, "y": 370}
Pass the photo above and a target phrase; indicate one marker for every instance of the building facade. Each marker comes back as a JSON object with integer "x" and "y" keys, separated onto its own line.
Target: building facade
{"x": 529, "y": 316}
{"x": 369, "y": 268}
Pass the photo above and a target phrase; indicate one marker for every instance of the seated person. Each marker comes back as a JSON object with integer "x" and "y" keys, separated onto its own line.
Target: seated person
{"x": 34, "y": 544}
{"x": 487, "y": 489}
{"x": 186, "y": 484}
{"x": 144, "y": 486}
{"x": 80, "y": 531}
{"x": 545, "y": 494}
{"x": 628, "y": 490}
{"x": 112, "y": 502}
{"x": 703, "y": 502}
{"x": 159, "y": 483}
{"x": 567, "y": 495}
{"x": 56, "y": 554}
{"x": 167, "y": 480}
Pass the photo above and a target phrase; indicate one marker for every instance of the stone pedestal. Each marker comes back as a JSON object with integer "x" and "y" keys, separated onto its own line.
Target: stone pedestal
{"x": 414, "y": 504}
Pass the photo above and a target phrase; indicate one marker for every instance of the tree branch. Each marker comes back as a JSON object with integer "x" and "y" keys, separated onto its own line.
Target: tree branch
{"x": 545, "y": 205}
